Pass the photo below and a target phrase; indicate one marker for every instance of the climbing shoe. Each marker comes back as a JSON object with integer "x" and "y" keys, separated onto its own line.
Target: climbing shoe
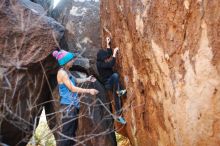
{"x": 121, "y": 92}
{"x": 121, "y": 120}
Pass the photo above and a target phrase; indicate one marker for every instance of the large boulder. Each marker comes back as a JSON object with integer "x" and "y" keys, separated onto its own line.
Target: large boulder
{"x": 27, "y": 37}
{"x": 82, "y": 28}
{"x": 96, "y": 125}
{"x": 28, "y": 79}
{"x": 169, "y": 62}
{"x": 46, "y": 4}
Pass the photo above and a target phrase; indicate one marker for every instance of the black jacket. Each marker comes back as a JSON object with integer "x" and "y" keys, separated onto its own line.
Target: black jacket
{"x": 105, "y": 68}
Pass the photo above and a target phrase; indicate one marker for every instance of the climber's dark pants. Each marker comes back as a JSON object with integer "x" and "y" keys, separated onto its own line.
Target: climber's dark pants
{"x": 113, "y": 84}
{"x": 69, "y": 125}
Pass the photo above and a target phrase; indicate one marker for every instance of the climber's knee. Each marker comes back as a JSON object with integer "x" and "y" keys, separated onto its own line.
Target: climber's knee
{"x": 115, "y": 76}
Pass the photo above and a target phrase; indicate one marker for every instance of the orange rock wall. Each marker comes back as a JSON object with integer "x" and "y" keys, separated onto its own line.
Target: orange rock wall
{"x": 169, "y": 63}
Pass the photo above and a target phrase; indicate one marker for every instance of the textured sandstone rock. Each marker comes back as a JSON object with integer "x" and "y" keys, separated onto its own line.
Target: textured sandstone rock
{"x": 169, "y": 62}
{"x": 27, "y": 37}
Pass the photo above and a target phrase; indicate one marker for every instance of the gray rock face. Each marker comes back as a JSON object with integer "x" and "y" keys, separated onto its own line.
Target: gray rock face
{"x": 82, "y": 27}
{"x": 46, "y": 4}
{"x": 96, "y": 126}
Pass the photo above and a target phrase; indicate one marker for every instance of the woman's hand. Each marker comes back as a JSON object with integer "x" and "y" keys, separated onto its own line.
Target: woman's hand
{"x": 93, "y": 91}
{"x": 91, "y": 78}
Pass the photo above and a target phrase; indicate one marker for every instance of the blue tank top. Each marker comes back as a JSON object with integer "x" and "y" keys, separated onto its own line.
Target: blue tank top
{"x": 68, "y": 97}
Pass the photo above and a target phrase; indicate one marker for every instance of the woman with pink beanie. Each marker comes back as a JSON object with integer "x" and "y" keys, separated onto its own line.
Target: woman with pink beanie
{"x": 69, "y": 99}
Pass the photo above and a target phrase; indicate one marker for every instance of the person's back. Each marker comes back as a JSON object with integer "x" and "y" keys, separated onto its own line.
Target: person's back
{"x": 105, "y": 63}
{"x": 110, "y": 79}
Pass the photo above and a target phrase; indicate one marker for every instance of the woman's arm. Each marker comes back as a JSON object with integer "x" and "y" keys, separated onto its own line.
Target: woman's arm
{"x": 88, "y": 79}
{"x": 65, "y": 80}
{"x": 81, "y": 80}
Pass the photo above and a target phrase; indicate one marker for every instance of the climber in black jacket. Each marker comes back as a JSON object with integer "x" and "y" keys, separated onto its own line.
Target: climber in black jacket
{"x": 105, "y": 63}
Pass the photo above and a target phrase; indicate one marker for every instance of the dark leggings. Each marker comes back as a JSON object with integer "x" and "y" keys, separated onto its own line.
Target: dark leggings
{"x": 69, "y": 125}
{"x": 113, "y": 84}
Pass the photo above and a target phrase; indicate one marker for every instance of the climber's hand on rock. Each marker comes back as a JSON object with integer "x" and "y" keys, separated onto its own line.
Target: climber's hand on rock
{"x": 108, "y": 40}
{"x": 115, "y": 51}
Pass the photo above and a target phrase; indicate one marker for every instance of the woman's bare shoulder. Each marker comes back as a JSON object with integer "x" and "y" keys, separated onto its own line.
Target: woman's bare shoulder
{"x": 61, "y": 72}
{"x": 61, "y": 75}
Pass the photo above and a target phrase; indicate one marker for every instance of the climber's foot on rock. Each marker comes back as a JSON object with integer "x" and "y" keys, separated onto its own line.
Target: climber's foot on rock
{"x": 121, "y": 92}
{"x": 121, "y": 120}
